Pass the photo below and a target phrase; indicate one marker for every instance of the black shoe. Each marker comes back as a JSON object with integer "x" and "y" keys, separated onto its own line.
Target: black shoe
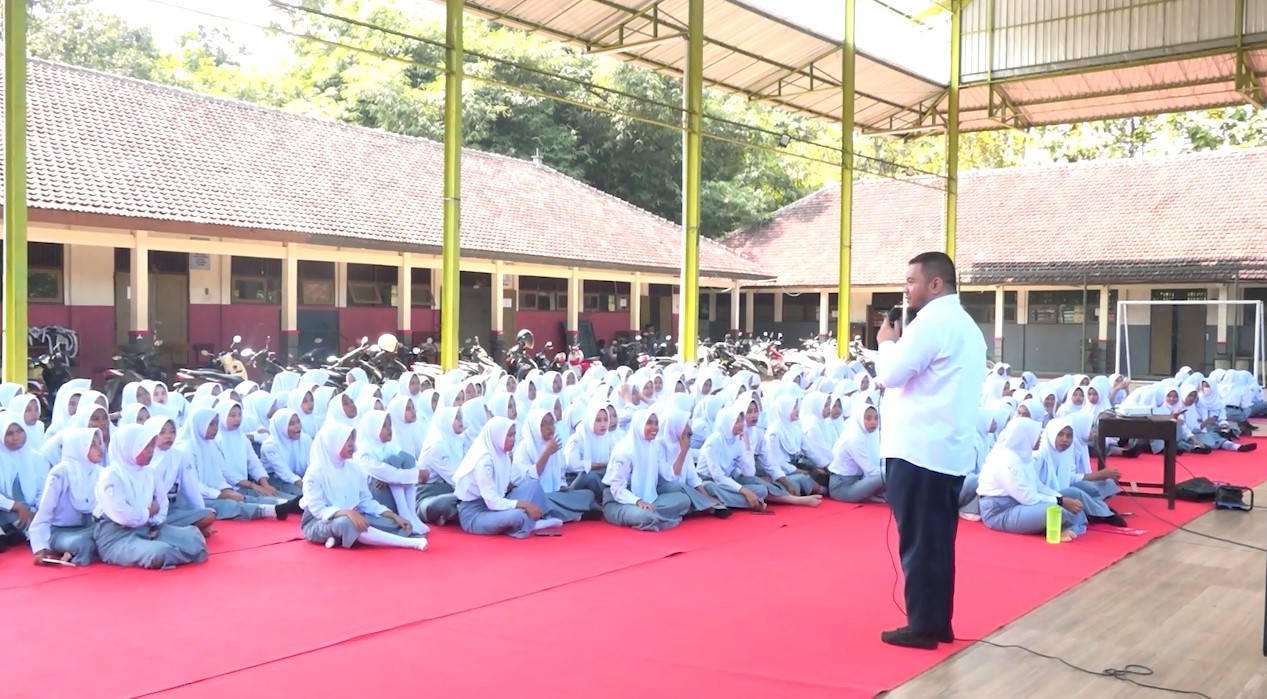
{"x": 1201, "y": 450}
{"x": 906, "y": 638}
{"x": 290, "y": 507}
{"x": 721, "y": 512}
{"x": 1248, "y": 446}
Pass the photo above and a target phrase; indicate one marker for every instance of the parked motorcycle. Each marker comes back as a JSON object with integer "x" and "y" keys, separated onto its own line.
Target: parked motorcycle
{"x": 132, "y": 366}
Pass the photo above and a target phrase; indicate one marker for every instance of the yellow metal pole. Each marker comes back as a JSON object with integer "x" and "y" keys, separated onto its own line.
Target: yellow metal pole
{"x": 693, "y": 108}
{"x": 450, "y": 276}
{"x": 952, "y": 128}
{"x": 15, "y": 192}
{"x": 843, "y": 295}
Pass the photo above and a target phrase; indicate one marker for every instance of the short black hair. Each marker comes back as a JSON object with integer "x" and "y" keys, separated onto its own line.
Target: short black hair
{"x": 936, "y": 264}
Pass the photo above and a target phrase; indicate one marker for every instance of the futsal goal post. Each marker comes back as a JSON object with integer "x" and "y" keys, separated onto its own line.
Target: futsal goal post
{"x": 1123, "y": 335}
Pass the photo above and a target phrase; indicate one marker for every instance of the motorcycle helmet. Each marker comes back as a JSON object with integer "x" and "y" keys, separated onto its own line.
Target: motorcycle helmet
{"x": 388, "y": 342}
{"x": 524, "y": 337}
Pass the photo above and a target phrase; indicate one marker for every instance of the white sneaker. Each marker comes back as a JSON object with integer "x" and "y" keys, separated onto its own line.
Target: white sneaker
{"x": 421, "y": 544}
{"x": 969, "y": 516}
{"x": 330, "y": 543}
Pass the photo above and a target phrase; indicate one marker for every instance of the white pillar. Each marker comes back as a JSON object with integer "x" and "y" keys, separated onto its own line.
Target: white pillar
{"x": 778, "y": 305}
{"x": 712, "y": 306}
{"x": 499, "y": 311}
{"x": 824, "y": 313}
{"x": 1000, "y": 296}
{"x": 576, "y": 301}
{"x": 734, "y": 308}
{"x": 635, "y": 303}
{"x": 139, "y": 303}
{"x": 405, "y": 298}
{"x": 290, "y": 302}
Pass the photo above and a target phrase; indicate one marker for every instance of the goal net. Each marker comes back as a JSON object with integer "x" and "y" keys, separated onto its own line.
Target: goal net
{"x": 1123, "y": 334}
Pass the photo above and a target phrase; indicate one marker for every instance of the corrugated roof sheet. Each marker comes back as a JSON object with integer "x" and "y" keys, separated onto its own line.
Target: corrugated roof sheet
{"x": 104, "y": 144}
{"x": 1191, "y": 217}
{"x": 747, "y": 52}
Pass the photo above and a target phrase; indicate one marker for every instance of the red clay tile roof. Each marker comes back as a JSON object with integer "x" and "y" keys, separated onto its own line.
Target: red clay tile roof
{"x": 1193, "y": 217}
{"x": 109, "y": 145}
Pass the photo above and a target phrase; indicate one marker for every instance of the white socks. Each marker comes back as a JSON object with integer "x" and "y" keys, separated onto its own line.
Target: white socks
{"x": 269, "y": 511}
{"x": 378, "y": 537}
{"x": 547, "y": 523}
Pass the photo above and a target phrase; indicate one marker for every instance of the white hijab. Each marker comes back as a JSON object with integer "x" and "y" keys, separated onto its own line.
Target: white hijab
{"x": 639, "y": 457}
{"x": 81, "y": 474}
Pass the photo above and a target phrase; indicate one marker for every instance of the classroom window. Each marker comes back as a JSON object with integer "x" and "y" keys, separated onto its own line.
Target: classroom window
{"x": 421, "y": 294}
{"x": 256, "y": 280}
{"x": 981, "y": 305}
{"x": 608, "y": 297}
{"x": 316, "y": 283}
{"x": 45, "y": 273}
{"x": 372, "y": 285}
{"x": 1060, "y": 307}
{"x": 542, "y": 294}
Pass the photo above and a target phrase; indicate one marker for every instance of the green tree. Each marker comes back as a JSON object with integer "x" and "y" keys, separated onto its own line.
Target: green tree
{"x": 74, "y": 32}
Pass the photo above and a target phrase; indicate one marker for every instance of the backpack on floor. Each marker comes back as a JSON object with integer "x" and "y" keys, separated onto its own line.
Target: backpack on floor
{"x": 1199, "y": 489}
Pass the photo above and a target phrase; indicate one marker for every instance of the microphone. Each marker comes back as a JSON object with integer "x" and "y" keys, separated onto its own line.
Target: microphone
{"x": 895, "y": 315}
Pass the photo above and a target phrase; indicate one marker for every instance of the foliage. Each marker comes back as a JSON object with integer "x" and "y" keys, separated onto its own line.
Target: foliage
{"x": 599, "y": 120}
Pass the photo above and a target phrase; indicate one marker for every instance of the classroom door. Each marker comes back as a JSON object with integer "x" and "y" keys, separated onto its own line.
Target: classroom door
{"x": 168, "y": 313}
{"x": 1178, "y": 335}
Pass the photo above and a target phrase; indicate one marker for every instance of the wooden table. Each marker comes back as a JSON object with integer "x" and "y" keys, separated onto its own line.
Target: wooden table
{"x": 1148, "y": 428}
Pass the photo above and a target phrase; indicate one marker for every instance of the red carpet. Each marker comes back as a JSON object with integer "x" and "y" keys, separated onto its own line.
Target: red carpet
{"x": 788, "y": 603}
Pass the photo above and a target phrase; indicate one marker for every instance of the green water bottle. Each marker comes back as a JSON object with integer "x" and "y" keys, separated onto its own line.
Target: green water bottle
{"x": 1054, "y": 517}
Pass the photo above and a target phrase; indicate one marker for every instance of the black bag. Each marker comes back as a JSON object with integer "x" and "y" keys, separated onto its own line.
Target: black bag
{"x": 1199, "y": 489}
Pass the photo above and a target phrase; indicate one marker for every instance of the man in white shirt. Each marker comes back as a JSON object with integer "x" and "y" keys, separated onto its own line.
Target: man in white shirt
{"x": 932, "y": 376}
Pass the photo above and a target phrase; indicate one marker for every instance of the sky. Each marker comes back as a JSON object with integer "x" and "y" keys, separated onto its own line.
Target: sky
{"x": 882, "y": 32}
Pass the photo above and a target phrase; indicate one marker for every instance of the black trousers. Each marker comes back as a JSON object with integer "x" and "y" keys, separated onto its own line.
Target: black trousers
{"x": 926, "y": 508}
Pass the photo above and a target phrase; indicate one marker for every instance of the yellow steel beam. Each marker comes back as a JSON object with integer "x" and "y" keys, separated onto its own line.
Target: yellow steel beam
{"x": 848, "y": 70}
{"x": 451, "y": 277}
{"x": 15, "y": 369}
{"x": 693, "y": 103}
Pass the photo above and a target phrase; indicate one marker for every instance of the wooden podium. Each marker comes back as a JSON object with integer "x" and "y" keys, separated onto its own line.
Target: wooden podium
{"x": 1150, "y": 428}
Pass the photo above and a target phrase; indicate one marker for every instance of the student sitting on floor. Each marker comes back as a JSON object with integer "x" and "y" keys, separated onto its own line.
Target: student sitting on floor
{"x": 1012, "y": 497}
{"x": 198, "y": 442}
{"x": 23, "y": 472}
{"x": 787, "y": 439}
{"x": 635, "y": 496}
{"x": 726, "y": 462}
{"x": 393, "y": 474}
{"x": 675, "y": 435}
{"x": 1210, "y": 427}
{"x": 62, "y": 527}
{"x": 857, "y": 472}
{"x": 1057, "y": 464}
{"x": 178, "y": 477}
{"x": 242, "y": 468}
{"x": 442, "y": 453}
{"x": 540, "y": 456}
{"x": 338, "y": 507}
{"x": 494, "y": 496}
{"x": 285, "y": 452}
{"x": 131, "y": 511}
{"x": 588, "y": 450}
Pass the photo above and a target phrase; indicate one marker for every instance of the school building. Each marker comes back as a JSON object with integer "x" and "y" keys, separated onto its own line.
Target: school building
{"x": 257, "y": 222}
{"x": 1044, "y": 254}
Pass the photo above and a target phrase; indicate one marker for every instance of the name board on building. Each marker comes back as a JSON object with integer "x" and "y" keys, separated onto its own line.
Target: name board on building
{"x": 199, "y": 262}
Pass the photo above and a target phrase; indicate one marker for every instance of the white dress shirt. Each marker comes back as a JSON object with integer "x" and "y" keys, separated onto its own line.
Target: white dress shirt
{"x": 932, "y": 380}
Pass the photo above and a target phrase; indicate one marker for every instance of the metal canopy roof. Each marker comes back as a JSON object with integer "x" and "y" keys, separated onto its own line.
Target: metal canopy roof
{"x": 1025, "y": 62}
{"x": 746, "y": 52}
